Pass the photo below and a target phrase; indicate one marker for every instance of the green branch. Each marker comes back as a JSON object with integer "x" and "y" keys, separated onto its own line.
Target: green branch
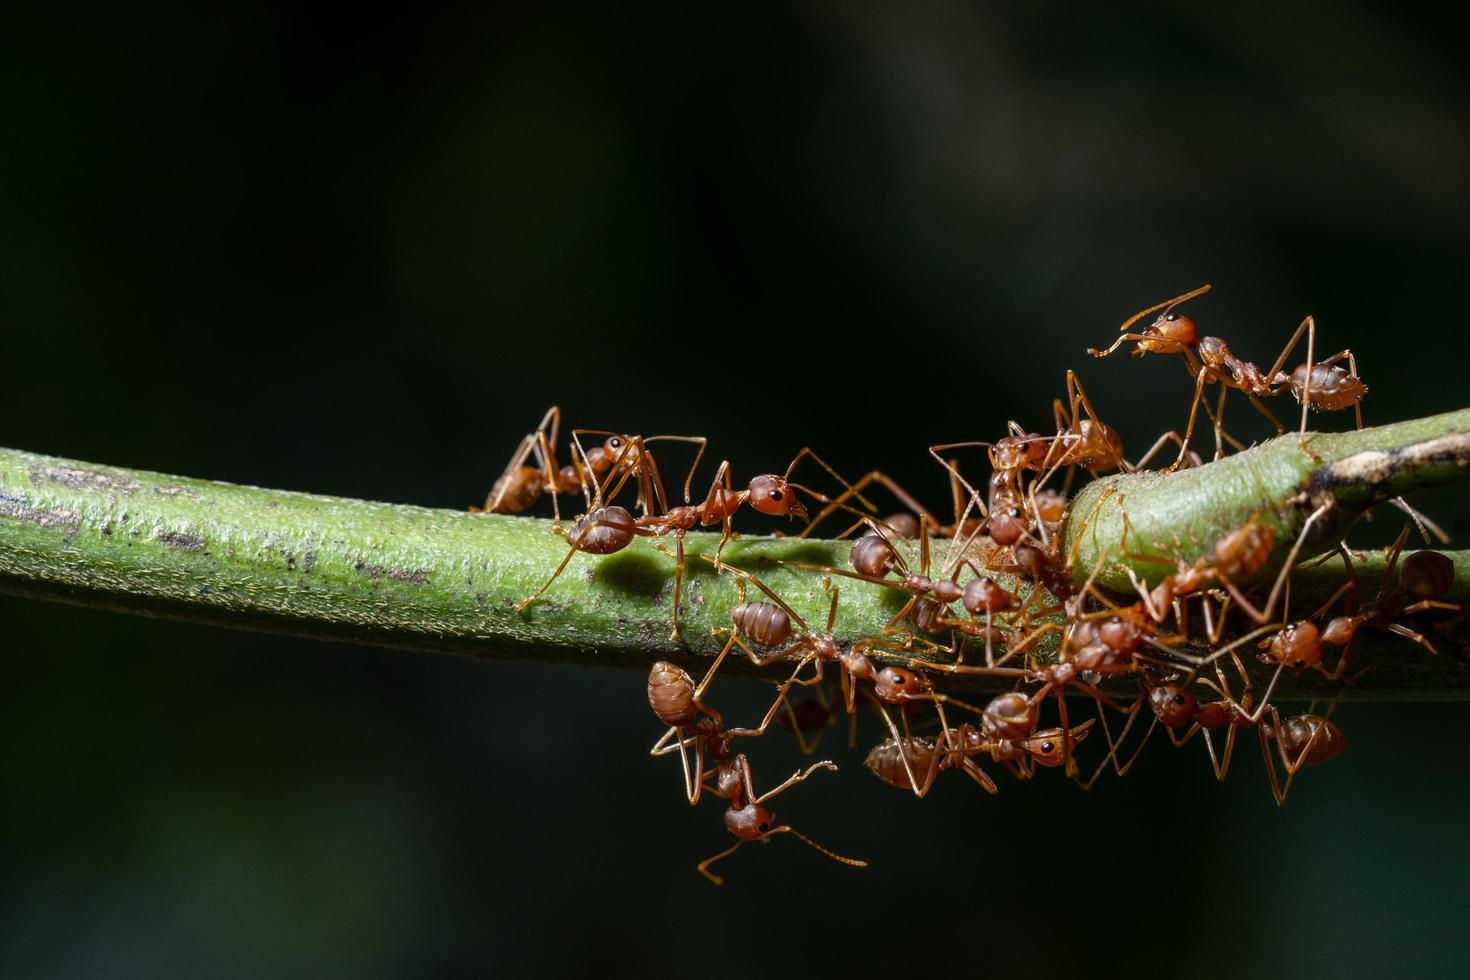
{"x": 437, "y": 580}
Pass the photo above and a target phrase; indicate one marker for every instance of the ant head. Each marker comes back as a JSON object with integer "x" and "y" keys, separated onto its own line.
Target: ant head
{"x": 1173, "y": 704}
{"x": 1050, "y": 747}
{"x": 1174, "y": 330}
{"x": 897, "y": 684}
{"x": 749, "y": 822}
{"x": 772, "y": 495}
{"x": 1008, "y": 525}
{"x": 622, "y": 450}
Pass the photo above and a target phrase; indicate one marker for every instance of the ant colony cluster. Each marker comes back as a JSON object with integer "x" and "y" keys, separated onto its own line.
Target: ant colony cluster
{"x": 1022, "y": 620}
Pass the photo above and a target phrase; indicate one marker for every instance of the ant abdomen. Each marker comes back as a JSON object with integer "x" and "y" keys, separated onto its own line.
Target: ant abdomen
{"x": 671, "y": 694}
{"x": 1008, "y": 716}
{"x": 1331, "y": 387}
{"x": 1427, "y": 574}
{"x": 764, "y": 622}
{"x": 886, "y": 760}
{"x": 1310, "y": 740}
{"x": 1243, "y": 551}
{"x": 872, "y": 556}
{"x": 902, "y": 524}
{"x": 516, "y": 491}
{"x": 603, "y": 531}
{"x": 929, "y": 615}
{"x": 1298, "y": 644}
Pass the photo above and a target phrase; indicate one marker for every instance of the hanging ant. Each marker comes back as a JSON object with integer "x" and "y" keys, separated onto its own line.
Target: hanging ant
{"x": 895, "y": 760}
{"x": 1173, "y": 705}
{"x": 676, "y": 700}
{"x": 1301, "y": 740}
{"x": 769, "y": 624}
{"x": 1426, "y": 576}
{"x": 748, "y": 818}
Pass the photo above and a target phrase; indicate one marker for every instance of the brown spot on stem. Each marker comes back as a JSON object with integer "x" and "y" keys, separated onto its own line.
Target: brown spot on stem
{"x": 84, "y": 480}
{"x": 182, "y": 540}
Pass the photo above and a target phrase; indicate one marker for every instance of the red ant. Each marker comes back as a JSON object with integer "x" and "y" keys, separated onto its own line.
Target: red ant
{"x": 1301, "y": 740}
{"x": 1209, "y": 360}
{"x": 1173, "y": 705}
{"x": 893, "y": 761}
{"x": 905, "y": 525}
{"x": 607, "y": 529}
{"x": 520, "y": 486}
{"x": 676, "y": 701}
{"x": 770, "y": 624}
{"x": 1425, "y": 576}
{"x": 747, "y": 817}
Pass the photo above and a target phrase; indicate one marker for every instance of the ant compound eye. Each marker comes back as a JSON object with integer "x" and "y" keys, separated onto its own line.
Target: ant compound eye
{"x": 615, "y": 442}
{"x": 775, "y": 494}
{"x": 1171, "y": 317}
{"x": 1014, "y": 512}
{"x": 1178, "y": 699}
{"x": 1047, "y": 747}
{"x": 764, "y": 827}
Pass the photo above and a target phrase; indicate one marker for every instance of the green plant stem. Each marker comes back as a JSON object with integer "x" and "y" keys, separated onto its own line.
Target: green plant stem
{"x": 437, "y": 580}
{"x": 1180, "y": 516}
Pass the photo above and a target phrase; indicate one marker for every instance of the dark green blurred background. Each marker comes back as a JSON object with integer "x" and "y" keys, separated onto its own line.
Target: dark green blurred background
{"x": 360, "y": 254}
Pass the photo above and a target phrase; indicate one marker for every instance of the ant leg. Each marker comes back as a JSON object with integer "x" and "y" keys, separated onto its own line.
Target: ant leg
{"x": 1283, "y": 576}
{"x": 808, "y": 451}
{"x": 1160, "y": 443}
{"x": 692, "y": 786}
{"x": 776, "y": 706}
{"x": 903, "y": 755}
{"x": 678, "y": 580}
{"x": 704, "y": 865}
{"x": 1113, "y": 744}
{"x": 745, "y": 576}
{"x": 884, "y": 480}
{"x": 796, "y": 777}
{"x": 1424, "y": 605}
{"x": 1199, "y": 391}
{"x": 1358, "y": 405}
{"x": 586, "y": 529}
{"x": 1421, "y": 521}
{"x": 534, "y": 441}
{"x": 1401, "y": 630}
{"x": 973, "y": 770}
{"x": 1307, "y": 400}
{"x": 700, "y": 441}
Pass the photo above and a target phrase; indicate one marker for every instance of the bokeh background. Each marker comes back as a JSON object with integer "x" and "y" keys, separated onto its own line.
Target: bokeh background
{"x": 361, "y": 253}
